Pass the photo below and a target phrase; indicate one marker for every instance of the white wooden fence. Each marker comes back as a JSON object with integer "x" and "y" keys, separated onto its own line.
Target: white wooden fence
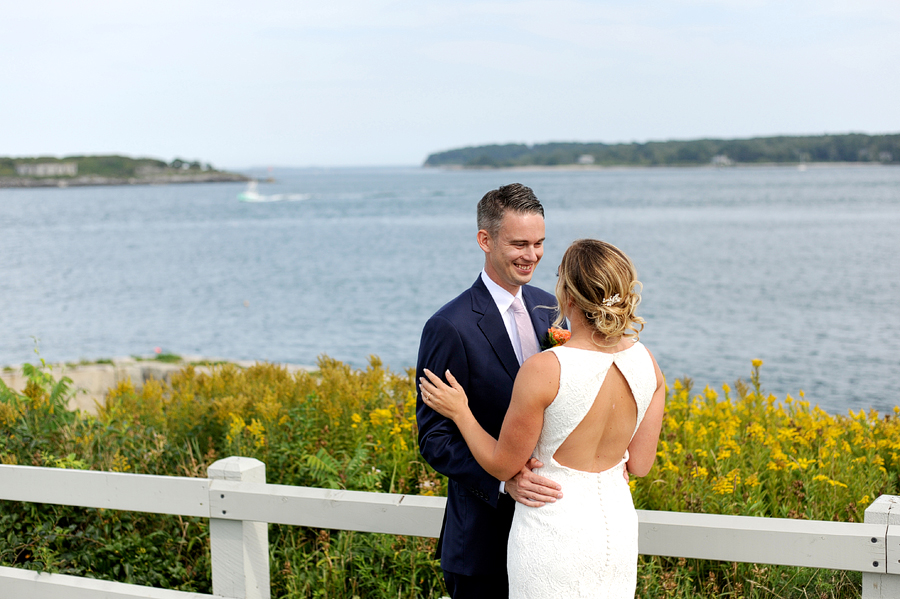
{"x": 239, "y": 505}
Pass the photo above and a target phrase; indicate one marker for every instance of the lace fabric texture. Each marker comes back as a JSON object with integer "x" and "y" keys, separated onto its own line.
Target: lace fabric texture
{"x": 584, "y": 545}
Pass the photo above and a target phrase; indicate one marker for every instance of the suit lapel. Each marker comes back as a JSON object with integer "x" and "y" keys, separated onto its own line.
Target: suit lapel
{"x": 491, "y": 324}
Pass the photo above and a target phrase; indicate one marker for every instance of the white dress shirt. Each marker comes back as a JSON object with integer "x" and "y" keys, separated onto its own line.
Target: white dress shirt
{"x": 504, "y": 300}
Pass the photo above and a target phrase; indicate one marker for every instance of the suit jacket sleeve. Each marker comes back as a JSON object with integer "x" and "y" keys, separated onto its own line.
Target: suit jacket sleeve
{"x": 440, "y": 441}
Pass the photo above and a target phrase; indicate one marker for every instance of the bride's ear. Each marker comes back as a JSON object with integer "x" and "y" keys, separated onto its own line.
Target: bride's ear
{"x": 568, "y": 302}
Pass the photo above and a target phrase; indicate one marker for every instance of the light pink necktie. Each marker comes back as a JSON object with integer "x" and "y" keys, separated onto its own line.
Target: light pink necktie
{"x": 527, "y": 340}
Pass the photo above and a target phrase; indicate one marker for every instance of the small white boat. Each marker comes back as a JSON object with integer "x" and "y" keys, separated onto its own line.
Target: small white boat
{"x": 251, "y": 194}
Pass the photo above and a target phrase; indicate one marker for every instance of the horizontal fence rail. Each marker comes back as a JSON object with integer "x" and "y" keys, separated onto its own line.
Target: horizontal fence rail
{"x": 239, "y": 504}
{"x": 780, "y": 541}
{"x": 176, "y": 495}
{"x": 16, "y": 583}
{"x": 408, "y": 515}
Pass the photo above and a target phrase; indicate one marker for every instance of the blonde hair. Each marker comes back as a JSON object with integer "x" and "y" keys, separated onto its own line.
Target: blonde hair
{"x": 602, "y": 282}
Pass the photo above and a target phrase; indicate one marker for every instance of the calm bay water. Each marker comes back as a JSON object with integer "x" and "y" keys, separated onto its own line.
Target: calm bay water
{"x": 798, "y": 268}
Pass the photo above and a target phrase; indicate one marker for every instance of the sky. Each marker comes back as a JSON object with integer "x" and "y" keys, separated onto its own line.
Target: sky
{"x": 381, "y": 82}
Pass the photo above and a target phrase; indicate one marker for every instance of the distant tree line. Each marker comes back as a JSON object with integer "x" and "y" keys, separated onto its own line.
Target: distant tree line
{"x": 107, "y": 166}
{"x": 853, "y": 147}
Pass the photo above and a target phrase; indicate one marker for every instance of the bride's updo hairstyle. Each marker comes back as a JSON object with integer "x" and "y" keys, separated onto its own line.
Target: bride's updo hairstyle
{"x": 602, "y": 282}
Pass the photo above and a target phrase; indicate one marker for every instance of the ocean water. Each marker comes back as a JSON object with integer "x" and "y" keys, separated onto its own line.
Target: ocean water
{"x": 800, "y": 269}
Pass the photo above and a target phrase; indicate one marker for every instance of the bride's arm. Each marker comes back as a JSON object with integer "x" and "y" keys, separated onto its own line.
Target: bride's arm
{"x": 535, "y": 388}
{"x": 642, "y": 450}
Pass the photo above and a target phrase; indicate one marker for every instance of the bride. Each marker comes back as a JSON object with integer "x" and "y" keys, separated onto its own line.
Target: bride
{"x": 591, "y": 411}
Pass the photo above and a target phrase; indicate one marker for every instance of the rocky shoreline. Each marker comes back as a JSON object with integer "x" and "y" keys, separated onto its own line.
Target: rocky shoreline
{"x": 156, "y": 179}
{"x": 92, "y": 381}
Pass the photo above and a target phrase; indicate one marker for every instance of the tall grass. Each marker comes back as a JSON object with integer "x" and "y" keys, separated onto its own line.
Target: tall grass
{"x": 738, "y": 452}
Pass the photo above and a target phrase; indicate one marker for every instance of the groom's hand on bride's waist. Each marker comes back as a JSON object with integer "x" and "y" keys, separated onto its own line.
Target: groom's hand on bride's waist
{"x": 531, "y": 489}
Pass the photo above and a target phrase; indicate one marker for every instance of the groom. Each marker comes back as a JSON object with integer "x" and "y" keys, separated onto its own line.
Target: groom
{"x": 482, "y": 337}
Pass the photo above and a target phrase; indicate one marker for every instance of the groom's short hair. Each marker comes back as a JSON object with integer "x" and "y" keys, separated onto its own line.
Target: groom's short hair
{"x": 495, "y": 203}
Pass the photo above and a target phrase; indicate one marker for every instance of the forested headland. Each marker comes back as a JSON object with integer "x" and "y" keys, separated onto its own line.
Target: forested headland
{"x": 51, "y": 171}
{"x": 852, "y": 147}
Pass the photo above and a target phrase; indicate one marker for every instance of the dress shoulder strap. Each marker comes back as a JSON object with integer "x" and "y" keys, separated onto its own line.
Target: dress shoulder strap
{"x": 636, "y": 365}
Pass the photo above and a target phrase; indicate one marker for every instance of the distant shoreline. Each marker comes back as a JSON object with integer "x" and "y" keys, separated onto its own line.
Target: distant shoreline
{"x": 96, "y": 180}
{"x": 849, "y": 147}
{"x": 614, "y": 167}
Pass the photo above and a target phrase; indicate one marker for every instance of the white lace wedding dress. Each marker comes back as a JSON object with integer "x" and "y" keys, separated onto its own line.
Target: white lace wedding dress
{"x": 585, "y": 544}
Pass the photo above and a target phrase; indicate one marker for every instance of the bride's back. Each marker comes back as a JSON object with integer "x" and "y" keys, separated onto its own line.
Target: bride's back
{"x": 599, "y": 442}
{"x": 607, "y": 378}
{"x": 600, "y": 400}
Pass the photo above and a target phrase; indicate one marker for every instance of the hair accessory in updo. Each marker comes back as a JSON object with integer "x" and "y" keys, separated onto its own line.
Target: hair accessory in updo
{"x": 611, "y": 300}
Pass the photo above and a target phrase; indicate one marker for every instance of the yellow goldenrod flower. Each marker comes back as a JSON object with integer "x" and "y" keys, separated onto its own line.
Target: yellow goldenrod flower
{"x": 725, "y": 485}
{"x": 701, "y": 433}
{"x": 380, "y": 416}
{"x": 257, "y": 432}
{"x": 756, "y": 432}
{"x": 235, "y": 428}
{"x": 804, "y": 463}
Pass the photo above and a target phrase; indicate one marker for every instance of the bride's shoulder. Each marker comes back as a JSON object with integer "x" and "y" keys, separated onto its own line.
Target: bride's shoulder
{"x": 545, "y": 360}
{"x": 540, "y": 373}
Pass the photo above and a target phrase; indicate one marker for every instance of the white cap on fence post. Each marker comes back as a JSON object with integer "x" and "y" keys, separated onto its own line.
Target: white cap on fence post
{"x": 885, "y": 510}
{"x": 239, "y": 550}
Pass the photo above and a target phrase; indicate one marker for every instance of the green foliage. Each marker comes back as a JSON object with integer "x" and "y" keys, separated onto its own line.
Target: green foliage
{"x": 854, "y": 147}
{"x": 746, "y": 453}
{"x": 168, "y": 358}
{"x": 742, "y": 453}
{"x": 696, "y": 579}
{"x": 334, "y": 428}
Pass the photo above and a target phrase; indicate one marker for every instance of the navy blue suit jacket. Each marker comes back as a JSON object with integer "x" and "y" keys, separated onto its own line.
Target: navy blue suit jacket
{"x": 467, "y": 336}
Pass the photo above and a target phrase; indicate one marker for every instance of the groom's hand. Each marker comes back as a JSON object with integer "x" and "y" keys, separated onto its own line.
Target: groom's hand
{"x": 530, "y": 489}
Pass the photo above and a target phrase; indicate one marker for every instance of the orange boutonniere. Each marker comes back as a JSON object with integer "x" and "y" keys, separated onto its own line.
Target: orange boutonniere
{"x": 558, "y": 336}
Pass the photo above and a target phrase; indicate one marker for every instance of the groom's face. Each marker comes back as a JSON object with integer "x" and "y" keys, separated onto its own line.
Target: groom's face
{"x": 514, "y": 252}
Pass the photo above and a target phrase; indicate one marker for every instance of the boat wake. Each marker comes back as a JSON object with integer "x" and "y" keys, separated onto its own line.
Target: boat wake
{"x": 277, "y": 197}
{"x": 252, "y": 195}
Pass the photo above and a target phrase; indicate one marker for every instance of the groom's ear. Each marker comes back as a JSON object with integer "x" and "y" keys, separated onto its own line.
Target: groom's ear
{"x": 484, "y": 241}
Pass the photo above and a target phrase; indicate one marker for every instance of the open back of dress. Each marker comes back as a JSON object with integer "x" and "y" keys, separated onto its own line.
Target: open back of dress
{"x": 585, "y": 544}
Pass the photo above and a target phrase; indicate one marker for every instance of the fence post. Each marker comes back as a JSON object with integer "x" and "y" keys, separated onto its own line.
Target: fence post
{"x": 885, "y": 510}
{"x": 239, "y": 550}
